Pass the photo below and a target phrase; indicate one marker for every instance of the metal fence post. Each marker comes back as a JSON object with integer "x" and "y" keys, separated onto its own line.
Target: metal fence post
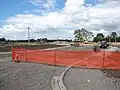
{"x": 26, "y": 55}
{"x": 54, "y": 58}
{"x": 103, "y": 59}
{"x": 13, "y": 53}
{"x": 16, "y": 57}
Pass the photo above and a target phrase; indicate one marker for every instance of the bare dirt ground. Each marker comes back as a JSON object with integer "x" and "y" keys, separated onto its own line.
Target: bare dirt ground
{"x": 116, "y": 44}
{"x": 41, "y": 46}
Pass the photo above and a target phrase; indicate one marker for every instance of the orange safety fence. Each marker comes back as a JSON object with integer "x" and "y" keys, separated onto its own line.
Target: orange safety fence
{"x": 89, "y": 59}
{"x": 79, "y": 58}
{"x": 41, "y": 56}
{"x": 112, "y": 60}
{"x": 19, "y": 54}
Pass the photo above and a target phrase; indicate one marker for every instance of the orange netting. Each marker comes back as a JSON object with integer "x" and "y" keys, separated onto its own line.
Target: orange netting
{"x": 89, "y": 59}
{"x": 112, "y": 60}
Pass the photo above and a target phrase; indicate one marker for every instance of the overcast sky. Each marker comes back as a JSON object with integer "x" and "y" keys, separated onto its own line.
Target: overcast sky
{"x": 57, "y": 18}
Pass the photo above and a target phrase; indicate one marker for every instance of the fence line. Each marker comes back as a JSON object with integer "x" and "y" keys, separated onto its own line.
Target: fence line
{"x": 101, "y": 59}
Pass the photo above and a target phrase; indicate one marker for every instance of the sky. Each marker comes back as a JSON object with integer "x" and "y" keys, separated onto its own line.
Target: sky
{"x": 57, "y": 19}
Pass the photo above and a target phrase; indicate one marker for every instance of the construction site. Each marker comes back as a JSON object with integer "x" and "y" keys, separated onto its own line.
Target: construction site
{"x": 59, "y": 67}
{"x": 60, "y": 45}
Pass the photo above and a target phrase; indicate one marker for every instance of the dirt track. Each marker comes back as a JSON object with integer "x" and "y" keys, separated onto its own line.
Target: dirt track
{"x": 42, "y": 46}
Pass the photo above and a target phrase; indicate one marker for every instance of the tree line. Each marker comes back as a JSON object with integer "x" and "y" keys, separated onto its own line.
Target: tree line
{"x": 113, "y": 37}
{"x": 82, "y": 35}
{"x": 35, "y": 40}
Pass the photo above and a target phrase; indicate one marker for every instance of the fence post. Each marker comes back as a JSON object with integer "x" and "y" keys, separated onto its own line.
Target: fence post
{"x": 54, "y": 57}
{"x": 103, "y": 59}
{"x": 26, "y": 55}
{"x": 16, "y": 57}
{"x": 13, "y": 54}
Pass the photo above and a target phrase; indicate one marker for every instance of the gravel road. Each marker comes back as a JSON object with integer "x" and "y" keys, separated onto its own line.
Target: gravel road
{"x": 87, "y": 79}
{"x": 26, "y": 76}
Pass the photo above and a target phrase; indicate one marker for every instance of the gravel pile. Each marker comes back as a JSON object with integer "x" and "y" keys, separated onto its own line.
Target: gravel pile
{"x": 26, "y": 76}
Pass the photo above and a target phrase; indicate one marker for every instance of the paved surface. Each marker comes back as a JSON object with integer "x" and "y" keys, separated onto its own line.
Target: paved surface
{"x": 26, "y": 76}
{"x": 87, "y": 79}
{"x": 5, "y": 53}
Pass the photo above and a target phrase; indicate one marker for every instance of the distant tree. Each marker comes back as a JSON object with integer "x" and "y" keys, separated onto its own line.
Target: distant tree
{"x": 82, "y": 35}
{"x": 2, "y": 39}
{"x": 86, "y": 34}
{"x": 113, "y": 36}
{"x": 108, "y": 38}
{"x": 78, "y": 35}
{"x": 118, "y": 39}
{"x": 95, "y": 39}
{"x": 99, "y": 37}
{"x": 32, "y": 40}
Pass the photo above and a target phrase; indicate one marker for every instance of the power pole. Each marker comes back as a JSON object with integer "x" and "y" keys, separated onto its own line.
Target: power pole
{"x": 28, "y": 34}
{"x": 115, "y": 39}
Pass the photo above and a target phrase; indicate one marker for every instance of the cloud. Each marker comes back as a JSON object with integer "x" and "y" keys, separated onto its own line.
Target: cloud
{"x": 103, "y": 17}
{"x": 44, "y": 5}
{"x": 50, "y": 26}
{"x": 74, "y": 3}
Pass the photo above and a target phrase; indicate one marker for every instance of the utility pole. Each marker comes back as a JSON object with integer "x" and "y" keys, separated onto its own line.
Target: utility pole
{"x": 109, "y": 37}
{"x": 28, "y": 34}
{"x": 115, "y": 39}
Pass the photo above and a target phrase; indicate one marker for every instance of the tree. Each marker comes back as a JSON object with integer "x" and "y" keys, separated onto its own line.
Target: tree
{"x": 2, "y": 39}
{"x": 82, "y": 35}
{"x": 99, "y": 37}
{"x": 78, "y": 35}
{"x": 95, "y": 39}
{"x": 113, "y": 35}
{"x": 108, "y": 38}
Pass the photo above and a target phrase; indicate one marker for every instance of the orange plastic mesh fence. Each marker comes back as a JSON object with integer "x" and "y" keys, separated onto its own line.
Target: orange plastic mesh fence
{"x": 41, "y": 56}
{"x": 112, "y": 60}
{"x": 79, "y": 58}
{"x": 89, "y": 59}
{"x": 19, "y": 54}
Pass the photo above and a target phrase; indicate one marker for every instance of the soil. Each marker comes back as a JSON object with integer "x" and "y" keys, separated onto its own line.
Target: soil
{"x": 42, "y": 46}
